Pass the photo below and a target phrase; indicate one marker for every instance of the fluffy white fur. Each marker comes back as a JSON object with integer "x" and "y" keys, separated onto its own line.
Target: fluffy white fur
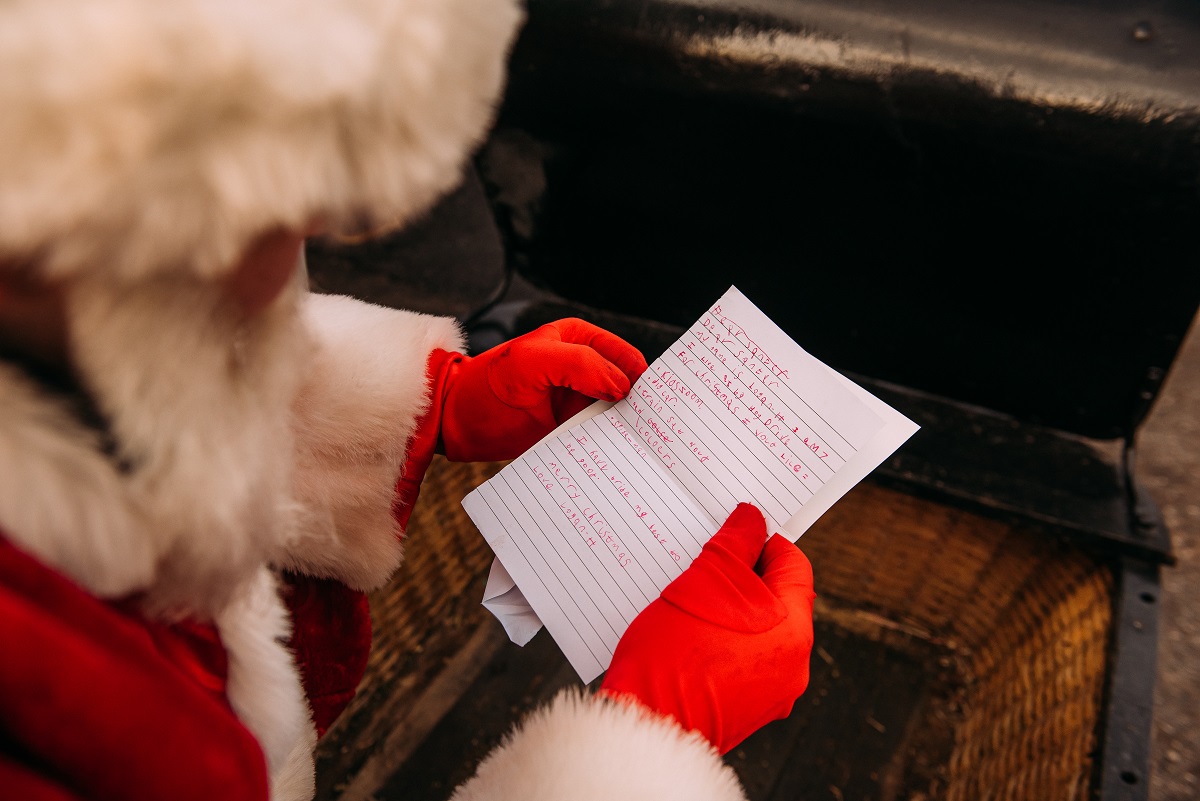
{"x": 197, "y": 402}
{"x": 362, "y": 389}
{"x": 141, "y": 136}
{"x": 263, "y": 686}
{"x": 356, "y": 412}
{"x": 592, "y": 749}
{"x": 82, "y": 520}
{"x": 242, "y": 439}
{"x": 197, "y": 399}
{"x": 143, "y": 146}
{"x": 297, "y": 780}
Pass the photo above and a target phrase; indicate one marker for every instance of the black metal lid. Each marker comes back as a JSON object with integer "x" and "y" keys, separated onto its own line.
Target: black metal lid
{"x": 992, "y": 203}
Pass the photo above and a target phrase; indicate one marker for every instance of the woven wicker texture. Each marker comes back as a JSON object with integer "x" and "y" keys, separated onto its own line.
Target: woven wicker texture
{"x": 421, "y": 620}
{"x": 1012, "y": 624}
{"x": 1025, "y": 620}
{"x": 444, "y": 554}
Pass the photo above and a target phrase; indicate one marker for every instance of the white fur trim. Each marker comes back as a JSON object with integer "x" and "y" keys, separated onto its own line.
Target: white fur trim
{"x": 140, "y": 136}
{"x": 363, "y": 390}
{"x": 297, "y": 780}
{"x": 358, "y": 408}
{"x": 61, "y": 500}
{"x": 197, "y": 401}
{"x": 264, "y": 686}
{"x": 591, "y": 749}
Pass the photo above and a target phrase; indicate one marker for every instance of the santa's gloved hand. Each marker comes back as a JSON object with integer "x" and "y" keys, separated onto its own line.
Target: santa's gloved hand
{"x": 725, "y": 649}
{"x": 500, "y": 403}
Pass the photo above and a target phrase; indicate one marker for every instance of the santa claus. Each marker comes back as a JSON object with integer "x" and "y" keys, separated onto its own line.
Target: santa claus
{"x": 203, "y": 465}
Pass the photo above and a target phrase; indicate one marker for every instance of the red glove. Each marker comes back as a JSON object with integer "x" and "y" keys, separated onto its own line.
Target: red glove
{"x": 725, "y": 649}
{"x": 500, "y": 403}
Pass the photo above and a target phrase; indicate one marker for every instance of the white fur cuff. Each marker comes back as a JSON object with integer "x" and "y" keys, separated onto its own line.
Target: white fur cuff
{"x": 591, "y": 749}
{"x": 356, "y": 412}
{"x": 142, "y": 137}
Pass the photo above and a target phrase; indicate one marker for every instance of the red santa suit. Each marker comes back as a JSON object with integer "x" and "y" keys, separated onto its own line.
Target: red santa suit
{"x": 188, "y": 518}
{"x": 101, "y": 697}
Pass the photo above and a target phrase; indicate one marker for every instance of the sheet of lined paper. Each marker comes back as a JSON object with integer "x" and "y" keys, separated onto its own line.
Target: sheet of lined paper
{"x": 597, "y": 519}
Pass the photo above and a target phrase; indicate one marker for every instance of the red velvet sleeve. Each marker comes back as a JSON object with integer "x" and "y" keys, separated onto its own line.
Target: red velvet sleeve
{"x": 331, "y": 640}
{"x": 24, "y": 781}
{"x": 331, "y": 635}
{"x": 91, "y": 706}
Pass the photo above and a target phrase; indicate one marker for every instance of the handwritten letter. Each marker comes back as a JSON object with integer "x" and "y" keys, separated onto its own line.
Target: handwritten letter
{"x": 597, "y": 519}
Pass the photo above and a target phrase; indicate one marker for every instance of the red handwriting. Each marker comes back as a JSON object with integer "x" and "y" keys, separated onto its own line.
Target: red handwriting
{"x": 771, "y": 424}
{"x": 663, "y": 542}
{"x": 595, "y": 518}
{"x": 669, "y": 381}
{"x": 764, "y": 410}
{"x": 759, "y": 372}
{"x": 787, "y": 458}
{"x": 620, "y": 486}
{"x": 656, "y": 404}
{"x": 706, "y": 360}
{"x": 816, "y": 448}
{"x": 573, "y": 518}
{"x": 537, "y": 471}
{"x": 601, "y": 533}
{"x": 768, "y": 430}
{"x": 718, "y": 389}
{"x": 658, "y": 430}
{"x": 613, "y": 477}
{"x": 602, "y": 465}
{"x": 654, "y": 532}
{"x": 738, "y": 381}
{"x": 588, "y": 470}
{"x": 655, "y": 393}
{"x": 676, "y": 427}
{"x": 564, "y": 479}
{"x": 619, "y": 425}
{"x": 650, "y": 421}
{"x": 736, "y": 384}
{"x": 766, "y": 401}
{"x": 656, "y": 444}
{"x": 764, "y": 370}
{"x": 756, "y": 351}
{"x": 672, "y": 423}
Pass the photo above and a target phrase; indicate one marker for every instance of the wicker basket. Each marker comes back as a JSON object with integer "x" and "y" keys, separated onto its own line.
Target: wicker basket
{"x": 1023, "y": 620}
{"x": 427, "y": 616}
{"x": 1009, "y": 626}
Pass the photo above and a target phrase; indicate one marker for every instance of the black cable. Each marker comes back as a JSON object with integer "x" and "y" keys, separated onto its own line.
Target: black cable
{"x": 472, "y": 319}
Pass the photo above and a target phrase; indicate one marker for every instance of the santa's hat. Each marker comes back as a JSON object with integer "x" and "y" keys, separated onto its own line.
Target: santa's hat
{"x": 143, "y": 136}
